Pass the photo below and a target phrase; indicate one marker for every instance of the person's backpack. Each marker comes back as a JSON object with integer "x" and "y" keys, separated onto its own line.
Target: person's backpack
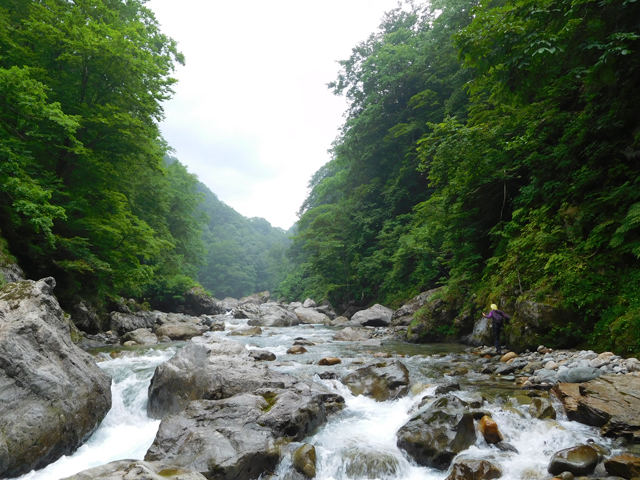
{"x": 498, "y": 318}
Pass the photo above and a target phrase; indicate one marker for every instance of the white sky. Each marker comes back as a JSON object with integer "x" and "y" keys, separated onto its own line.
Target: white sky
{"x": 252, "y": 115}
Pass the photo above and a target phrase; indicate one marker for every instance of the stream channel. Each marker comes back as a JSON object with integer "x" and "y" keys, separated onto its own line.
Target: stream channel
{"x": 360, "y": 441}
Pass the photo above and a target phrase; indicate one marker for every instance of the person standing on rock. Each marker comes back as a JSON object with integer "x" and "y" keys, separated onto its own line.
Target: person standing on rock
{"x": 497, "y": 317}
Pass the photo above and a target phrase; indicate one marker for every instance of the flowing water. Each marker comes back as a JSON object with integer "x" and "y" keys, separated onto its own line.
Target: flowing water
{"x": 360, "y": 441}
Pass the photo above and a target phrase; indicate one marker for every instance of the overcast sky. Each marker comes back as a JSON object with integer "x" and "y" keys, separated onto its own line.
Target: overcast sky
{"x": 252, "y": 115}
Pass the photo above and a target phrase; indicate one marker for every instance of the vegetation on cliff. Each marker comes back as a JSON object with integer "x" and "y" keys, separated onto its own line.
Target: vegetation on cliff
{"x": 492, "y": 149}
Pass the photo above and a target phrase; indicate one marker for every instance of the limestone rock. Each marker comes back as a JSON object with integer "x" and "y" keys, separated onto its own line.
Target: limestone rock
{"x": 141, "y": 336}
{"x": 179, "y": 331}
{"x": 609, "y": 402}
{"x": 310, "y": 316}
{"x": 352, "y": 335}
{"x": 272, "y": 315}
{"x": 135, "y": 470}
{"x": 52, "y": 394}
{"x": 434, "y": 436}
{"x": 255, "y": 299}
{"x": 245, "y": 331}
{"x": 381, "y": 381}
{"x": 228, "y": 304}
{"x": 625, "y": 466}
{"x": 308, "y": 303}
{"x": 376, "y": 316}
{"x": 122, "y": 323}
{"x": 304, "y": 460}
{"x": 580, "y": 460}
{"x": 474, "y": 470}
{"x": 489, "y": 430}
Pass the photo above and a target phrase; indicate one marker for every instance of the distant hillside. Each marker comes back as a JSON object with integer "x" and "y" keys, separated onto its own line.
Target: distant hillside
{"x": 244, "y": 255}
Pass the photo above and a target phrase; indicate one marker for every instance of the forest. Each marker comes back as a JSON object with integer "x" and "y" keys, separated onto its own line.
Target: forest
{"x": 490, "y": 149}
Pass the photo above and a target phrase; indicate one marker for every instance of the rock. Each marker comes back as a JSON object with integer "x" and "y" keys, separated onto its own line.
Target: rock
{"x": 376, "y": 316}
{"x": 505, "y": 369}
{"x": 135, "y": 470}
{"x": 255, "y": 299}
{"x": 248, "y": 310}
{"x": 228, "y": 304}
{"x": 197, "y": 302}
{"x": 212, "y": 368}
{"x": 262, "y": 355}
{"x": 580, "y": 460}
{"x": 352, "y": 335}
{"x": 506, "y": 447}
{"x": 326, "y": 308}
{"x": 238, "y": 437}
{"x": 272, "y": 315}
{"x": 437, "y": 434}
{"x": 474, "y": 470}
{"x": 338, "y": 321}
{"x": 303, "y": 341}
{"x": 541, "y": 408}
{"x": 11, "y": 272}
{"x": 122, "y": 323}
{"x": 381, "y": 381}
{"x": 508, "y": 356}
{"x": 308, "y": 303}
{"x": 578, "y": 375}
{"x": 309, "y": 316}
{"x": 413, "y": 305}
{"x": 304, "y": 460}
{"x": 85, "y": 317}
{"x": 245, "y": 331}
{"x": 52, "y": 394}
{"x": 532, "y": 367}
{"x": 551, "y": 365}
{"x": 329, "y": 361}
{"x": 609, "y": 402}
{"x": 141, "y": 336}
{"x": 489, "y": 430}
{"x": 447, "y": 388}
{"x": 297, "y": 350}
{"x": 481, "y": 334}
{"x": 435, "y": 319}
{"x": 129, "y": 343}
{"x": 632, "y": 364}
{"x": 363, "y": 463}
{"x": 179, "y": 331}
{"x": 625, "y": 466}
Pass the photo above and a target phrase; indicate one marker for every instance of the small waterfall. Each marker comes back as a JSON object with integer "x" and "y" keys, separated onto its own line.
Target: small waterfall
{"x": 126, "y": 431}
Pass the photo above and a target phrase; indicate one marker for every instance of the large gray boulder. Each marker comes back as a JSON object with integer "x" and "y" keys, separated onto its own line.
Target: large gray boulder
{"x": 376, "y": 316}
{"x": 136, "y": 470}
{"x": 122, "y": 323}
{"x": 52, "y": 394}
{"x": 349, "y": 334}
{"x": 407, "y": 310}
{"x": 85, "y": 317}
{"x": 229, "y": 303}
{"x": 208, "y": 368}
{"x": 197, "y": 302}
{"x": 481, "y": 334}
{"x": 247, "y": 310}
{"x": 381, "y": 381}
{"x": 141, "y": 336}
{"x": 273, "y": 315}
{"x": 11, "y": 271}
{"x": 180, "y": 331}
{"x": 311, "y": 316}
{"x": 437, "y": 433}
{"x": 255, "y": 299}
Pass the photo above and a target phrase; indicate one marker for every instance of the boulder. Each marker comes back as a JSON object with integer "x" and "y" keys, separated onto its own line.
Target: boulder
{"x": 365, "y": 463}
{"x": 262, "y": 355}
{"x": 508, "y": 356}
{"x": 541, "y": 408}
{"x": 467, "y": 469}
{"x": 488, "y": 428}
{"x": 85, "y": 317}
{"x": 326, "y": 308}
{"x": 579, "y": 461}
{"x": 245, "y": 331}
{"x": 247, "y": 310}
{"x": 481, "y": 333}
{"x": 228, "y": 304}
{"x": 255, "y": 299}
{"x": 336, "y": 322}
{"x": 210, "y": 368}
{"x": 136, "y": 470}
{"x": 11, "y": 272}
{"x": 381, "y": 381}
{"x": 122, "y": 323}
{"x": 376, "y": 316}
{"x": 432, "y": 321}
{"x": 141, "y": 336}
{"x": 272, "y": 315}
{"x": 52, "y": 394}
{"x": 237, "y": 438}
{"x": 625, "y": 466}
{"x": 179, "y": 331}
{"x": 413, "y": 305}
{"x": 578, "y": 374}
{"x": 438, "y": 433}
{"x": 197, "y": 302}
{"x": 609, "y": 402}
{"x": 310, "y": 316}
{"x": 304, "y": 460}
{"x": 308, "y": 303}
{"x": 297, "y": 350}
{"x": 329, "y": 361}
{"x": 352, "y": 335}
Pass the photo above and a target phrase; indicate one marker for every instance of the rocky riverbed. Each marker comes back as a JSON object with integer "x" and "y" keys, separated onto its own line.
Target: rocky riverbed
{"x": 243, "y": 399}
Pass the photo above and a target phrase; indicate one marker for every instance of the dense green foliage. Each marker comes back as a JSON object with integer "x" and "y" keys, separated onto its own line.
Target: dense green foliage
{"x": 244, "y": 255}
{"x": 492, "y": 149}
{"x": 84, "y": 193}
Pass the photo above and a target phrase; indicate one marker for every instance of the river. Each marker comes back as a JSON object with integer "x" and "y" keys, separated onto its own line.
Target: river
{"x": 360, "y": 441}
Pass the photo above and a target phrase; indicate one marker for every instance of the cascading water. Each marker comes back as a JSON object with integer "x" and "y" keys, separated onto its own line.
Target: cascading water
{"x": 360, "y": 441}
{"x": 126, "y": 431}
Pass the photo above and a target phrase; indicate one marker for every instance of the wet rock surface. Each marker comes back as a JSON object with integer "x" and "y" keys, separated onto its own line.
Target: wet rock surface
{"x": 381, "y": 381}
{"x": 136, "y": 470}
{"x": 439, "y": 432}
{"x": 611, "y": 402}
{"x": 52, "y": 394}
{"x": 581, "y": 460}
{"x": 474, "y": 470}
